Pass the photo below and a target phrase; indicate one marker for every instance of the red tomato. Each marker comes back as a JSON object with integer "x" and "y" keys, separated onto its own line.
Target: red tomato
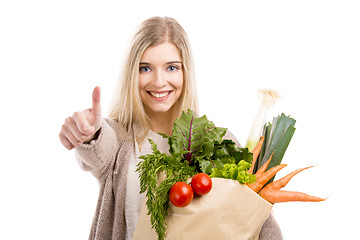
{"x": 201, "y": 183}
{"x": 181, "y": 194}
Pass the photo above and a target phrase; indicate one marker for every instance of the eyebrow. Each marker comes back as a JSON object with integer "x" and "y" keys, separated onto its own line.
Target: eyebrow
{"x": 171, "y": 62}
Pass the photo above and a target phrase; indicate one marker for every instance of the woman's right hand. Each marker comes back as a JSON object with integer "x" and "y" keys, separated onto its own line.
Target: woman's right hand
{"x": 82, "y": 126}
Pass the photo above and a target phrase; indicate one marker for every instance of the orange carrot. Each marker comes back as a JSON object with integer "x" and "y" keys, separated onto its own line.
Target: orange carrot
{"x": 262, "y": 179}
{"x": 256, "y": 152}
{"x": 273, "y": 194}
{"x": 283, "y": 181}
{"x": 261, "y": 170}
{"x": 277, "y": 196}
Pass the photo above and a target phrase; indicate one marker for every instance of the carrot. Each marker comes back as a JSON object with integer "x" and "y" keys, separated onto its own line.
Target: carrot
{"x": 256, "y": 152}
{"x": 277, "y": 196}
{"x": 261, "y": 170}
{"x": 273, "y": 194}
{"x": 265, "y": 177}
{"x": 284, "y": 181}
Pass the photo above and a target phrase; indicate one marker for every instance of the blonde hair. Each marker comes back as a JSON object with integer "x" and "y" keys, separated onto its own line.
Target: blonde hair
{"x": 127, "y": 107}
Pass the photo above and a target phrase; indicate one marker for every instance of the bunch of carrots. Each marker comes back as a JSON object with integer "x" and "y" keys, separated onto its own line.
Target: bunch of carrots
{"x": 272, "y": 192}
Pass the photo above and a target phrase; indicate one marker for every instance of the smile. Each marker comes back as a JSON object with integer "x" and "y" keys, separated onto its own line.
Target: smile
{"x": 159, "y": 94}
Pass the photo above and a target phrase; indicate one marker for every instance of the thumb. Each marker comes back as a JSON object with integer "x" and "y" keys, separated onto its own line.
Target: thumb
{"x": 96, "y": 107}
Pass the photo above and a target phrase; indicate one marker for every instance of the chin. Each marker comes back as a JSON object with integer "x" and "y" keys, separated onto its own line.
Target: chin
{"x": 160, "y": 109}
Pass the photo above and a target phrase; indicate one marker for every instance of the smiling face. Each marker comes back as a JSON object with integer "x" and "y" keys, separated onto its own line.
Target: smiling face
{"x": 160, "y": 78}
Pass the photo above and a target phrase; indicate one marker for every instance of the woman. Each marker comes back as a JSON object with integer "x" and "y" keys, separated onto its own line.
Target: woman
{"x": 156, "y": 86}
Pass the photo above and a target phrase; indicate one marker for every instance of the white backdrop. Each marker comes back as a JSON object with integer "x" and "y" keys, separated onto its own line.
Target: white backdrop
{"x": 52, "y": 54}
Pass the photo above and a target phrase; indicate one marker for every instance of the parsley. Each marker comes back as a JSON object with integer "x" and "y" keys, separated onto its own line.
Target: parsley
{"x": 157, "y": 194}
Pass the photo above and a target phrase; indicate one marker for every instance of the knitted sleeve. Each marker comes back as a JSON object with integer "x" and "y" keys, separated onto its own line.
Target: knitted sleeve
{"x": 97, "y": 154}
{"x": 270, "y": 230}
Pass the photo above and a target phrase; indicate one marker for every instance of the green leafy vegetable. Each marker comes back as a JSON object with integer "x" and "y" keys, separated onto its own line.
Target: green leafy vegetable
{"x": 196, "y": 145}
{"x": 222, "y": 153}
{"x": 157, "y": 193}
{"x": 236, "y": 172}
{"x": 194, "y": 136}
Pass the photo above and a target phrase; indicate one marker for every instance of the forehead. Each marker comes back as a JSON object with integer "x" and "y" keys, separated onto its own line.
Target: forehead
{"x": 161, "y": 53}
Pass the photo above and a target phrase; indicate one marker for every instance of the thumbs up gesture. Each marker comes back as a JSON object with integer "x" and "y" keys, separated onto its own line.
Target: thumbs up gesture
{"x": 82, "y": 126}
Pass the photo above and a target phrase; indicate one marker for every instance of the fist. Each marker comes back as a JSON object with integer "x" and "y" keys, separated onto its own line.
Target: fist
{"x": 82, "y": 126}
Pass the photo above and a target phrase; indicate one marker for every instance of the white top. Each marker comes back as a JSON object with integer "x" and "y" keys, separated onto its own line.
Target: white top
{"x": 134, "y": 199}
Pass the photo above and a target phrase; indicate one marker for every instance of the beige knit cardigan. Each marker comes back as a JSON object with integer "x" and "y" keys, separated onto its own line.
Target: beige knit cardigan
{"x": 107, "y": 158}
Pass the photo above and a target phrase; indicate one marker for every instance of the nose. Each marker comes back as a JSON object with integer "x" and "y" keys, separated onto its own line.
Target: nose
{"x": 159, "y": 79}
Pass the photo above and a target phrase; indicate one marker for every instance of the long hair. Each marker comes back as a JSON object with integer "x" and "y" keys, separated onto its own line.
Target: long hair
{"x": 126, "y": 106}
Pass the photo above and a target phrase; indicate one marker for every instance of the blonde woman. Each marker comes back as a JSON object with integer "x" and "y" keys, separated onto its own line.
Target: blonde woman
{"x": 157, "y": 84}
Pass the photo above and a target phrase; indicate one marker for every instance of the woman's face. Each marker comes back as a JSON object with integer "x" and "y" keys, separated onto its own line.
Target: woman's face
{"x": 160, "y": 78}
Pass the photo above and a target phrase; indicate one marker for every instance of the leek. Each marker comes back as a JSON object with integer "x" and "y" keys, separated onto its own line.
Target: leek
{"x": 268, "y": 99}
{"x": 277, "y": 136}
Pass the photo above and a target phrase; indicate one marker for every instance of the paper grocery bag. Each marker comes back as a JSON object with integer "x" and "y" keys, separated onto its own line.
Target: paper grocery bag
{"x": 230, "y": 211}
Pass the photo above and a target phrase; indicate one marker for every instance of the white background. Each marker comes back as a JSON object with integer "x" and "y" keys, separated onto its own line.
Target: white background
{"x": 52, "y": 54}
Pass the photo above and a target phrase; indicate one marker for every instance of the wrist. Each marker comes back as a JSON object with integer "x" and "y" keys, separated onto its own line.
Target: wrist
{"x": 92, "y": 137}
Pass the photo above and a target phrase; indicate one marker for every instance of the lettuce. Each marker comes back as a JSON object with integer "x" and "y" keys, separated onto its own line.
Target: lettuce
{"x": 236, "y": 172}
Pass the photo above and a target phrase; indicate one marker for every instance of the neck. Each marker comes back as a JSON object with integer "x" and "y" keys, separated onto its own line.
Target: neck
{"x": 162, "y": 121}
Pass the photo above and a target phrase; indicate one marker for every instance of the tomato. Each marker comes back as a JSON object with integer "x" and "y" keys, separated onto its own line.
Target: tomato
{"x": 201, "y": 183}
{"x": 181, "y": 194}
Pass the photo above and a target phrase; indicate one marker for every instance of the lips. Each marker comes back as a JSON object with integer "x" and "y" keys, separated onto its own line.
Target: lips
{"x": 159, "y": 95}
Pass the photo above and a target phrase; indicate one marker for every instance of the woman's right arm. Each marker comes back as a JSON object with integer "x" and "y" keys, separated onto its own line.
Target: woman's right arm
{"x": 92, "y": 137}
{"x": 82, "y": 126}
{"x": 96, "y": 155}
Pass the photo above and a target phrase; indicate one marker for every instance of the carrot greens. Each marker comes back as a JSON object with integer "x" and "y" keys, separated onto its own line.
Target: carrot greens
{"x": 157, "y": 193}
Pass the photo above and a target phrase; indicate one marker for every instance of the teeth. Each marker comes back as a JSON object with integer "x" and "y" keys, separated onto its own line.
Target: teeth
{"x": 159, "y": 95}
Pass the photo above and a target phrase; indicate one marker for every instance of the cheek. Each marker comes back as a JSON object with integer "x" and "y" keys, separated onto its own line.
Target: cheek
{"x": 178, "y": 82}
{"x": 141, "y": 86}
{"x": 142, "y": 82}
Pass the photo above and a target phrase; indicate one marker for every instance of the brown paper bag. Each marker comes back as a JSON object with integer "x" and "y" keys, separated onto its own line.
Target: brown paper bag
{"x": 231, "y": 211}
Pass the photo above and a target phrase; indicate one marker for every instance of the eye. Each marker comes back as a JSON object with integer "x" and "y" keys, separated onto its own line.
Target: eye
{"x": 173, "y": 68}
{"x": 145, "y": 69}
